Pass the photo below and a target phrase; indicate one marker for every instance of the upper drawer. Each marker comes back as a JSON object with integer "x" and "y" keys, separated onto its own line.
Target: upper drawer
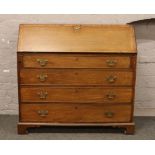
{"x": 75, "y": 61}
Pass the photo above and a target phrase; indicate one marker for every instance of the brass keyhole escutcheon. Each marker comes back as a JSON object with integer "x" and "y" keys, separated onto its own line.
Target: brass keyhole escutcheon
{"x": 76, "y": 90}
{"x": 76, "y": 73}
{"x": 42, "y": 77}
{"x": 112, "y": 79}
{"x": 77, "y": 28}
{"x": 109, "y": 114}
{"x": 42, "y": 62}
{"x": 111, "y": 63}
{"x": 75, "y": 107}
{"x": 42, "y": 113}
{"x": 42, "y": 95}
{"x": 76, "y": 59}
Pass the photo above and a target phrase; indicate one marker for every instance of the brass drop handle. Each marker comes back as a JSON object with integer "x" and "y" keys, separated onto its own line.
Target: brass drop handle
{"x": 109, "y": 114}
{"x": 112, "y": 79}
{"x": 42, "y": 62}
{"x": 77, "y": 27}
{"x": 42, "y": 113}
{"x": 42, "y": 77}
{"x": 111, "y": 63}
{"x": 110, "y": 96}
{"x": 42, "y": 95}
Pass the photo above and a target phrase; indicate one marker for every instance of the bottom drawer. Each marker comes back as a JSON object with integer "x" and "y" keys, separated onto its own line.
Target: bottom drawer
{"x": 75, "y": 113}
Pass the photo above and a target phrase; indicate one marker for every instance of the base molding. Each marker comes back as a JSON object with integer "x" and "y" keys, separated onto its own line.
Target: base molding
{"x": 129, "y": 128}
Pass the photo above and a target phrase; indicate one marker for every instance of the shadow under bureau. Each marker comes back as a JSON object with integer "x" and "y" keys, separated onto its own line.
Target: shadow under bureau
{"x": 76, "y": 75}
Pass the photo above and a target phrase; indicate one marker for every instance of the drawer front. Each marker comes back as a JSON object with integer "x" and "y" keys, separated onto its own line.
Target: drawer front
{"x": 75, "y": 113}
{"x": 79, "y": 94}
{"x": 75, "y": 61}
{"x": 76, "y": 77}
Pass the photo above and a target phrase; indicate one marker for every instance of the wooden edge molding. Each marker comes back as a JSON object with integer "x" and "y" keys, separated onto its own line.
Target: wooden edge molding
{"x": 129, "y": 128}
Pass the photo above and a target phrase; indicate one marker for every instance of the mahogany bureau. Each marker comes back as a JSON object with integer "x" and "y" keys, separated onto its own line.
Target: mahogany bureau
{"x": 76, "y": 75}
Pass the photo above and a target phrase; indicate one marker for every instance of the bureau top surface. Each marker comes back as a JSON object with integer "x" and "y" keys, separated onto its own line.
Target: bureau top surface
{"x": 76, "y": 38}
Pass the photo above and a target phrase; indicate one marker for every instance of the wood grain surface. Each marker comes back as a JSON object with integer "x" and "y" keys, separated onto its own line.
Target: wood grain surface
{"x": 78, "y": 94}
{"x": 76, "y": 77}
{"x": 76, "y": 60}
{"x": 71, "y": 113}
{"x": 77, "y": 38}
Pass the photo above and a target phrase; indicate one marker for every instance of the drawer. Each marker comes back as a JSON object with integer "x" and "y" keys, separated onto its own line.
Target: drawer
{"x": 78, "y": 94}
{"x": 75, "y": 61}
{"x": 75, "y": 113}
{"x": 76, "y": 77}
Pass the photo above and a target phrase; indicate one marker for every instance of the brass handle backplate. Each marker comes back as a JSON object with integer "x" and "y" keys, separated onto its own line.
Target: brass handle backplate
{"x": 112, "y": 79}
{"x": 42, "y": 113}
{"x": 42, "y": 77}
{"x": 109, "y": 114}
{"x": 42, "y": 62}
{"x": 110, "y": 96}
{"x": 111, "y": 63}
{"x": 42, "y": 95}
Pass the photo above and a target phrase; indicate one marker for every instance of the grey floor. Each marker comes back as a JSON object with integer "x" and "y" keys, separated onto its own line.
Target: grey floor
{"x": 145, "y": 129}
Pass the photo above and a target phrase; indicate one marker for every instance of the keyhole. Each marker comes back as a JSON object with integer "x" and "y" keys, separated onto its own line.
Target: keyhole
{"x": 76, "y": 90}
{"x": 76, "y": 59}
{"x": 76, "y": 108}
